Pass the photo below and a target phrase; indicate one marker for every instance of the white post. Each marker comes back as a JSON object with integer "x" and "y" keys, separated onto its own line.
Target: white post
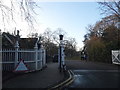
{"x": 16, "y": 53}
{"x": 44, "y": 57}
{"x": 41, "y": 57}
{"x": 59, "y": 57}
{"x": 16, "y": 48}
{"x": 0, "y": 49}
{"x": 36, "y": 56}
{"x": 40, "y": 52}
{"x": 0, "y": 60}
{"x": 62, "y": 52}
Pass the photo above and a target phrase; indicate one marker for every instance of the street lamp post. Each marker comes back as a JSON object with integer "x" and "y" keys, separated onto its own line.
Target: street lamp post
{"x": 61, "y": 54}
{"x": 60, "y": 58}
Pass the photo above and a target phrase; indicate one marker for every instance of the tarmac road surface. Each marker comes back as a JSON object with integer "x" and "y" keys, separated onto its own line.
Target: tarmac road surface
{"x": 94, "y": 75}
{"x": 96, "y": 79}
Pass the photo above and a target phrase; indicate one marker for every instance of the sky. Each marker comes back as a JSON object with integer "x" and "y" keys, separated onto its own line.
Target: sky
{"x": 72, "y": 17}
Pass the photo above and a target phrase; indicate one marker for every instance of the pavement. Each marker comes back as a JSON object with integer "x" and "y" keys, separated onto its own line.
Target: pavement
{"x": 45, "y": 78}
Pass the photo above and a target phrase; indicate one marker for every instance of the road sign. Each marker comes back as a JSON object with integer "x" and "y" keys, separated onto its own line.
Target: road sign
{"x": 21, "y": 67}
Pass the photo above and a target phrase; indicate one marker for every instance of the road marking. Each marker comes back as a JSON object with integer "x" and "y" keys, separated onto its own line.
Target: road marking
{"x": 66, "y": 82}
{"x": 96, "y": 70}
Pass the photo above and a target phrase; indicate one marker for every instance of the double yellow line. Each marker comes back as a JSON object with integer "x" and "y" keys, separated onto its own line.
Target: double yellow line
{"x": 66, "y": 82}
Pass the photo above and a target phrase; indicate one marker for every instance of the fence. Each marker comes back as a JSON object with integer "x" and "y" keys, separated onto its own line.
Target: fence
{"x": 116, "y": 57}
{"x": 34, "y": 59}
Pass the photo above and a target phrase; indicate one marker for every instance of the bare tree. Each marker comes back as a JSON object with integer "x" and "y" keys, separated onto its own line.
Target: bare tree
{"x": 56, "y": 34}
{"x": 9, "y": 9}
{"x": 111, "y": 7}
{"x": 72, "y": 43}
{"x": 48, "y": 35}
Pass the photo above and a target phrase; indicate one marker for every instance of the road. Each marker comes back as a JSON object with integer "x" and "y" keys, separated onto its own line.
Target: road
{"x": 94, "y": 75}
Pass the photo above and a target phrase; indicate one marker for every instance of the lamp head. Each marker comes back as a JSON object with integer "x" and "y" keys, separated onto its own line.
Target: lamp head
{"x": 61, "y": 37}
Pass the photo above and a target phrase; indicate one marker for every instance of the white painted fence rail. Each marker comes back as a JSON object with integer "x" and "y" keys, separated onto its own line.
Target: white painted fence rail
{"x": 34, "y": 59}
{"x": 116, "y": 57}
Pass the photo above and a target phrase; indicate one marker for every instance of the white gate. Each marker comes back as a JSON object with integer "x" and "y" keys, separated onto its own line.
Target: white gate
{"x": 116, "y": 57}
{"x": 34, "y": 59}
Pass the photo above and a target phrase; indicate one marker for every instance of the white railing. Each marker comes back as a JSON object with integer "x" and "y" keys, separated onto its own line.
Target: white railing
{"x": 34, "y": 59}
{"x": 116, "y": 57}
{"x": 8, "y": 59}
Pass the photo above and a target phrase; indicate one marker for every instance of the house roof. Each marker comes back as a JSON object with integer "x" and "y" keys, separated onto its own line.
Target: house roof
{"x": 27, "y": 43}
{"x": 24, "y": 43}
